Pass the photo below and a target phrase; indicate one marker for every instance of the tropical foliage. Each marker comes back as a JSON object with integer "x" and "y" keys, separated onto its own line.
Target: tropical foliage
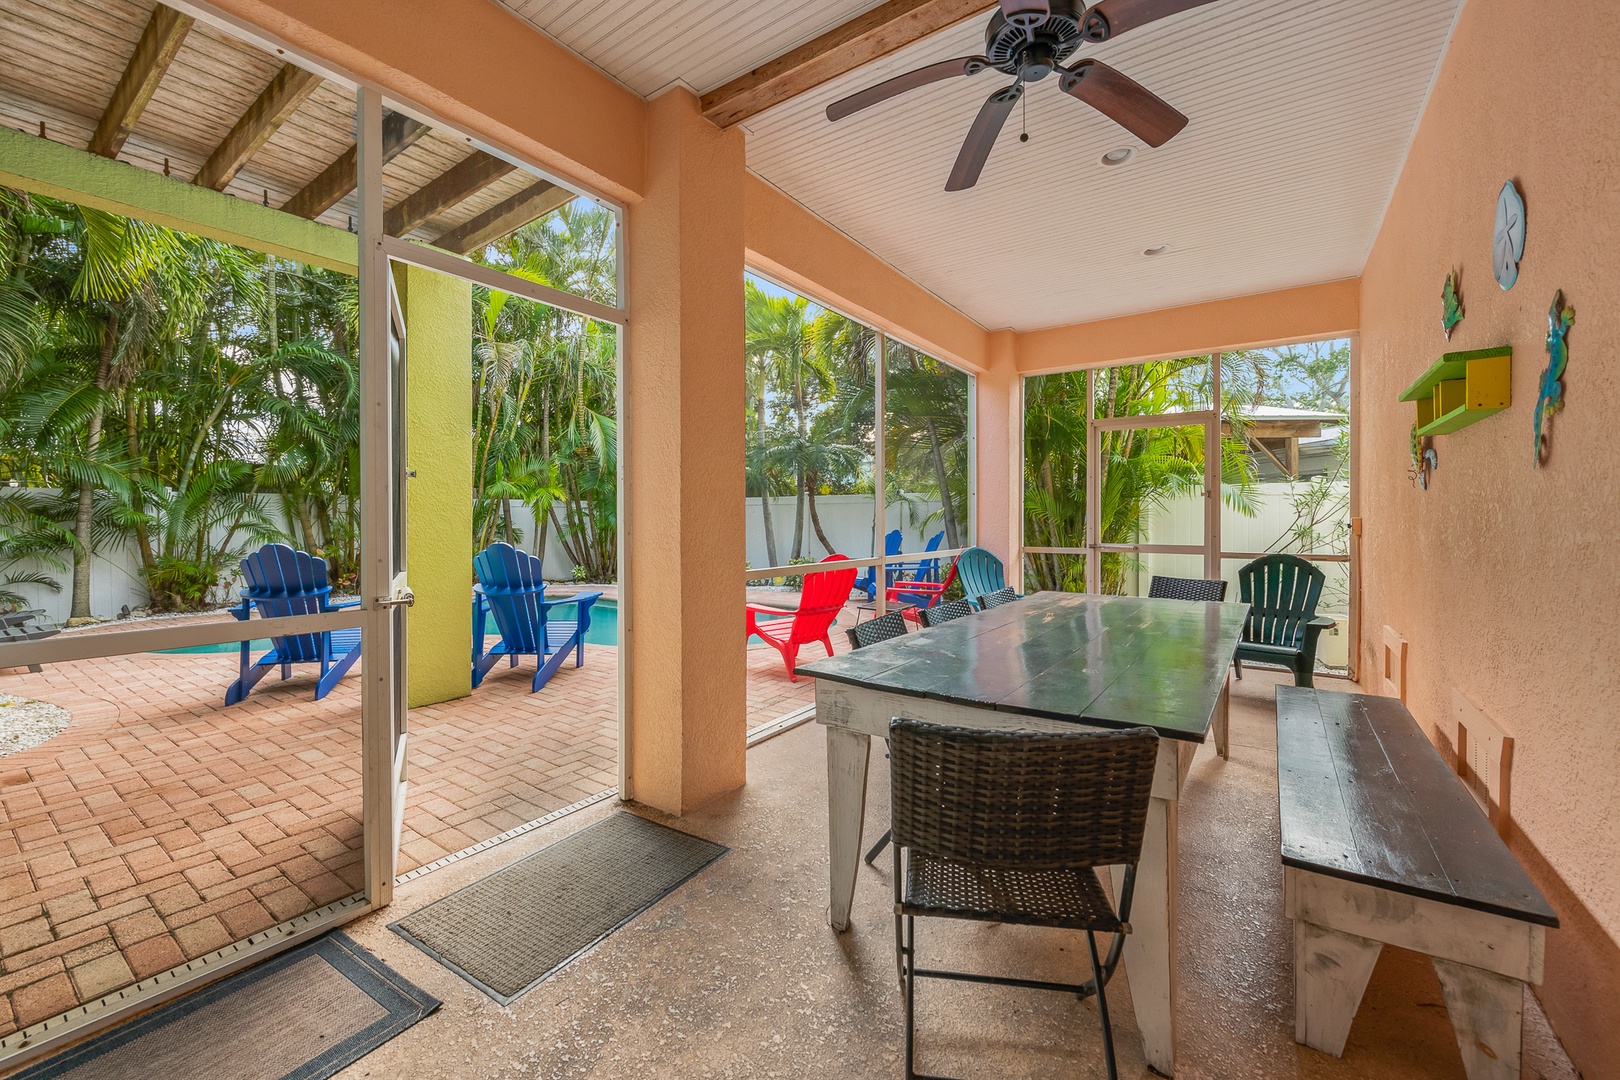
{"x": 544, "y": 393}
{"x": 812, "y": 408}
{"x": 1143, "y": 469}
{"x": 191, "y": 400}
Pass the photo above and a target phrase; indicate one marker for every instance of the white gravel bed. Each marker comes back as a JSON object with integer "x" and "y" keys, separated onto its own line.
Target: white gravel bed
{"x": 25, "y": 723}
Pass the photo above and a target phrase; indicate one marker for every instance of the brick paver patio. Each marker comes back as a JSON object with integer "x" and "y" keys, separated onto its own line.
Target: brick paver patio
{"x": 161, "y": 825}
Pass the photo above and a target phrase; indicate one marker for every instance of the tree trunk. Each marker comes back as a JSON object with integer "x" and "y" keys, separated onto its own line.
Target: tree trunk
{"x": 506, "y": 517}
{"x": 765, "y": 480}
{"x": 944, "y": 485}
{"x": 815, "y": 518}
{"x": 143, "y": 537}
{"x": 798, "y": 474}
{"x": 92, "y": 442}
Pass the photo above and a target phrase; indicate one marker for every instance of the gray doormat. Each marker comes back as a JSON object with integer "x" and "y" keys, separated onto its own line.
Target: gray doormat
{"x": 300, "y": 1016}
{"x": 507, "y": 932}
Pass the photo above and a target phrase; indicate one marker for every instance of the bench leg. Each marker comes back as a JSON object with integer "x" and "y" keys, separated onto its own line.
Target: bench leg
{"x": 1331, "y": 970}
{"x": 1487, "y": 1015}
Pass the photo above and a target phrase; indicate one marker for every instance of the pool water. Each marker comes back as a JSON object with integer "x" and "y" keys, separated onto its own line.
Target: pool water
{"x": 604, "y": 629}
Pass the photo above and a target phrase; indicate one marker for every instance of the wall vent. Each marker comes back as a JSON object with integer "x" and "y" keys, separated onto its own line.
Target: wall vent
{"x": 1484, "y": 760}
{"x": 1394, "y": 665}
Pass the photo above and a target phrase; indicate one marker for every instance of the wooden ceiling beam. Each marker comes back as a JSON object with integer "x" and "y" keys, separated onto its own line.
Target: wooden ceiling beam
{"x": 158, "y": 45}
{"x": 887, "y": 28}
{"x": 289, "y": 89}
{"x": 339, "y": 178}
{"x": 464, "y": 179}
{"x": 506, "y": 216}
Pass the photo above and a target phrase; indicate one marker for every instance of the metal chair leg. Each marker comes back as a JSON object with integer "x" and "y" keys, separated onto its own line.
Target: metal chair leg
{"x": 877, "y": 848}
{"x": 910, "y": 951}
{"x": 1102, "y": 1007}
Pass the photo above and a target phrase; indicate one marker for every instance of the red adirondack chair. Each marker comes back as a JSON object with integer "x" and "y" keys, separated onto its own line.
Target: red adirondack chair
{"x": 920, "y": 593}
{"x": 824, "y": 595}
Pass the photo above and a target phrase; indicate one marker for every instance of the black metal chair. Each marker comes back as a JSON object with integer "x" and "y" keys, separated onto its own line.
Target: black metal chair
{"x": 1186, "y": 588}
{"x": 1012, "y": 827}
{"x": 891, "y": 625}
{"x": 861, "y": 635}
{"x": 944, "y": 613}
{"x": 996, "y": 599}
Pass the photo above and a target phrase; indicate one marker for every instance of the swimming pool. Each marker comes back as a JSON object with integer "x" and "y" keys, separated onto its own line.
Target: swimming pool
{"x": 604, "y": 629}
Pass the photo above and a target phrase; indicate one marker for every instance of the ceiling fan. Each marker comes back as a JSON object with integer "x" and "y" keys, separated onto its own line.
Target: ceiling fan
{"x": 1031, "y": 39}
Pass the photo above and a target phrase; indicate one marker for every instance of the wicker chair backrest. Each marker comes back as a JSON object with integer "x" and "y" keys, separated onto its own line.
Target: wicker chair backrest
{"x": 872, "y": 631}
{"x": 1038, "y": 801}
{"x": 996, "y": 599}
{"x": 944, "y": 613}
{"x": 1186, "y": 588}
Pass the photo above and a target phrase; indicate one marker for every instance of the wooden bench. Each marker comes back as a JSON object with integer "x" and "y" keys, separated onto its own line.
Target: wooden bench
{"x": 1382, "y": 844}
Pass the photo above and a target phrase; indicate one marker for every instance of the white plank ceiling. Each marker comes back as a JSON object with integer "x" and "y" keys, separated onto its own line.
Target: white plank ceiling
{"x": 1301, "y": 114}
{"x": 650, "y": 45}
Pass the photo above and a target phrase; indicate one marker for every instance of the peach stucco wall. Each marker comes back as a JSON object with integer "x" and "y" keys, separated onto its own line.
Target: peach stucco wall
{"x": 1502, "y": 576}
{"x": 684, "y": 416}
{"x": 791, "y": 244}
{"x": 1244, "y": 322}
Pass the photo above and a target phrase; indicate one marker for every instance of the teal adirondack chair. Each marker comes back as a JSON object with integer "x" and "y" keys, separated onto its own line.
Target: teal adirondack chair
{"x": 282, "y": 582}
{"x": 511, "y": 588}
{"x": 980, "y": 573}
{"x": 1281, "y": 591}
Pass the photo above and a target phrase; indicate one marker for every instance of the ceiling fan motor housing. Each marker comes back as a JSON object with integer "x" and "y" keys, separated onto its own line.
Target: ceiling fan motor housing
{"x": 1033, "y": 53}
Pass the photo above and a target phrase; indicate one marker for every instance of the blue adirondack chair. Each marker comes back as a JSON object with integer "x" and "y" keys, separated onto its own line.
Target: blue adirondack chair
{"x": 923, "y": 569}
{"x": 283, "y": 582}
{"x": 868, "y": 582}
{"x": 980, "y": 572}
{"x": 510, "y": 587}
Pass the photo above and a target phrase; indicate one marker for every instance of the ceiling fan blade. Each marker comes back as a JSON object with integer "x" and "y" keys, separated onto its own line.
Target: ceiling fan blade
{"x": 1123, "y": 100}
{"x": 1025, "y": 13}
{"x": 911, "y": 80}
{"x": 1118, "y": 16}
{"x": 982, "y": 136}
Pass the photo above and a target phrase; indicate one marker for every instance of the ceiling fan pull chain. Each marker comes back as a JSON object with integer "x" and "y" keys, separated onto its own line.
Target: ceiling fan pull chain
{"x": 1024, "y": 137}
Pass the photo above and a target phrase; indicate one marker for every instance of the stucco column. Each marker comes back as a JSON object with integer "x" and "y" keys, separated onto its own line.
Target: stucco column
{"x": 684, "y": 408}
{"x": 438, "y": 449}
{"x": 995, "y": 408}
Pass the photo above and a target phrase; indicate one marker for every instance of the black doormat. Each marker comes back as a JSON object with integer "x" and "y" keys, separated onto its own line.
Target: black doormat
{"x": 300, "y": 1016}
{"x": 507, "y": 932}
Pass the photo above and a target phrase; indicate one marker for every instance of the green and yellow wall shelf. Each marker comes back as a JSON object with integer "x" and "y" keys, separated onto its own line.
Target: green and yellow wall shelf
{"x": 1462, "y": 388}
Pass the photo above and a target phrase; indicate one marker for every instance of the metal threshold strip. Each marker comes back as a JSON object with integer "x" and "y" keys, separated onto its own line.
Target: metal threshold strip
{"x": 76, "y": 1023}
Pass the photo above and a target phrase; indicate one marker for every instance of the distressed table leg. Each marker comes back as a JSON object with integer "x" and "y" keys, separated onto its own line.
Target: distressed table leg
{"x": 1487, "y": 1015}
{"x": 1223, "y": 719}
{"x": 1331, "y": 970}
{"x": 847, "y": 752}
{"x": 1150, "y": 948}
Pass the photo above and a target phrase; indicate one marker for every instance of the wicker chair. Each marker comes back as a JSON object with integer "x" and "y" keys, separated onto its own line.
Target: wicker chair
{"x": 861, "y": 635}
{"x": 996, "y": 599}
{"x": 1011, "y": 827}
{"x": 944, "y": 613}
{"x": 1186, "y": 588}
{"x": 872, "y": 631}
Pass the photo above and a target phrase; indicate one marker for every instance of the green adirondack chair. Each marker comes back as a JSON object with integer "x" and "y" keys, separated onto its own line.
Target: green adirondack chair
{"x": 1281, "y": 591}
{"x": 980, "y": 572}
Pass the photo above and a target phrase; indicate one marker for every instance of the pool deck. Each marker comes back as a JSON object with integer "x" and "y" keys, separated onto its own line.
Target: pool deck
{"x": 161, "y": 825}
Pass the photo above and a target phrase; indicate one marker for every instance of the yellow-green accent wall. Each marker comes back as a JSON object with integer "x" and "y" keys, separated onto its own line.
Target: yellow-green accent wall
{"x": 438, "y": 447}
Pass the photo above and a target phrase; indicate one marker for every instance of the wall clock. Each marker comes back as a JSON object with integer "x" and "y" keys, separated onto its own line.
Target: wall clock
{"x": 1507, "y": 243}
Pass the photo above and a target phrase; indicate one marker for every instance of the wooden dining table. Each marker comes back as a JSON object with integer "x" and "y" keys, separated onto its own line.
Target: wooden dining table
{"x": 1048, "y": 662}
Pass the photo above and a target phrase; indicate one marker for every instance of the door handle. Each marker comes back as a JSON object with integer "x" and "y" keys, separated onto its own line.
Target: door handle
{"x": 399, "y": 594}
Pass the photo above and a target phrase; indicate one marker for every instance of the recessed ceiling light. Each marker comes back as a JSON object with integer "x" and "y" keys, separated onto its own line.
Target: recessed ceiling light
{"x": 1118, "y": 157}
{"x": 1152, "y": 251}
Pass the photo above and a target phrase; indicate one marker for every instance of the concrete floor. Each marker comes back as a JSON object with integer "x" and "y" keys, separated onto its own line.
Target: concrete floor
{"x": 737, "y": 974}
